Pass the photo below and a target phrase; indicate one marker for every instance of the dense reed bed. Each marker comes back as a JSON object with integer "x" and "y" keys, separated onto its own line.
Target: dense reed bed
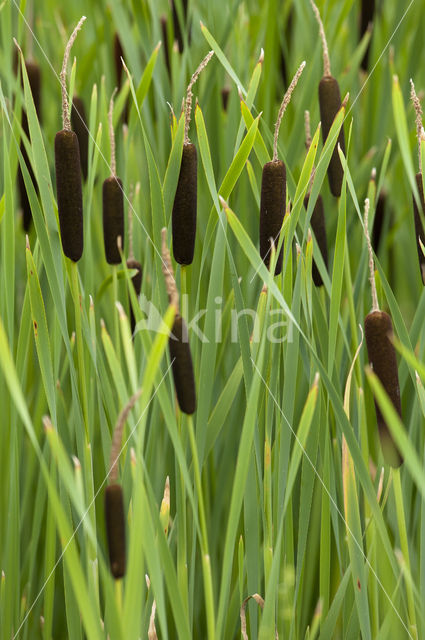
{"x": 289, "y": 439}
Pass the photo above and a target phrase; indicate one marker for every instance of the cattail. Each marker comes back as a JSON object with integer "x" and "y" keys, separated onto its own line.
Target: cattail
{"x": 287, "y": 38}
{"x": 114, "y": 503}
{"x": 282, "y": 66}
{"x": 330, "y": 104}
{"x": 163, "y": 22}
{"x": 419, "y": 230}
{"x": 382, "y": 358}
{"x": 180, "y": 355}
{"x": 318, "y": 225}
{"x": 182, "y": 366}
{"x": 378, "y": 221}
{"x": 185, "y": 200}
{"x": 113, "y": 203}
{"x": 68, "y": 172}
{"x": 34, "y": 79}
{"x": 118, "y": 54}
{"x": 273, "y": 190}
{"x": 79, "y": 125}
{"x": 367, "y": 13}
{"x": 176, "y": 24}
{"x": 115, "y": 529}
{"x": 225, "y": 93}
{"x": 317, "y": 220}
{"x": 131, "y": 262}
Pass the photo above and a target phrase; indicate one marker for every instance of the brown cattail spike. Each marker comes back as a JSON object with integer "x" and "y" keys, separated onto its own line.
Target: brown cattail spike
{"x": 273, "y": 190}
{"x": 69, "y": 192}
{"x": 317, "y": 220}
{"x": 113, "y": 218}
{"x": 68, "y": 172}
{"x": 318, "y": 225}
{"x": 163, "y": 22}
{"x": 419, "y": 230}
{"x": 180, "y": 355}
{"x": 181, "y": 362}
{"x": 178, "y": 35}
{"x": 118, "y": 54}
{"x": 329, "y": 104}
{"x": 185, "y": 199}
{"x": 34, "y": 79}
{"x": 184, "y": 207}
{"x": 225, "y": 93}
{"x": 79, "y": 125}
{"x": 382, "y": 357}
{"x": 272, "y": 210}
{"x": 366, "y": 18}
{"x": 113, "y": 203}
{"x": 378, "y": 221}
{"x": 115, "y": 529}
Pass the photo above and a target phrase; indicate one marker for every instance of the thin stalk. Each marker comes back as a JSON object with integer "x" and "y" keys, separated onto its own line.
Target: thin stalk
{"x": 116, "y": 320}
{"x": 352, "y": 314}
{"x": 268, "y": 542}
{"x": 91, "y": 548}
{"x": 183, "y": 291}
{"x": 182, "y": 525}
{"x": 206, "y": 565}
{"x": 75, "y": 291}
{"x": 118, "y": 596}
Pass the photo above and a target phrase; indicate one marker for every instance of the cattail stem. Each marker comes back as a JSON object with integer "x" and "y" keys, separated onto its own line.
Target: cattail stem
{"x": 375, "y": 305}
{"x": 418, "y": 112}
{"x": 118, "y": 595}
{"x": 65, "y": 103}
{"x": 326, "y": 60}
{"x": 111, "y": 133}
{"x": 117, "y": 437}
{"x": 206, "y": 565}
{"x": 75, "y": 290}
{"x": 130, "y": 222}
{"x": 189, "y": 95}
{"x": 167, "y": 270}
{"x": 115, "y": 299}
{"x": 286, "y": 100}
{"x": 307, "y": 146}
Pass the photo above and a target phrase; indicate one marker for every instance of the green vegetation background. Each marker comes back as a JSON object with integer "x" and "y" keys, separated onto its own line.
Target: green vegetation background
{"x": 276, "y": 484}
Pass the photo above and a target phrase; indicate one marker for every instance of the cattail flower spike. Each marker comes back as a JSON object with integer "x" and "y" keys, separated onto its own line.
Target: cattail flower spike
{"x": 65, "y": 103}
{"x": 286, "y": 100}
{"x": 189, "y": 95}
{"x": 375, "y": 305}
